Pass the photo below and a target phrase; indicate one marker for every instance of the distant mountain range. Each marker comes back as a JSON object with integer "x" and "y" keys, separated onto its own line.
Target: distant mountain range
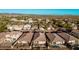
{"x": 37, "y": 15}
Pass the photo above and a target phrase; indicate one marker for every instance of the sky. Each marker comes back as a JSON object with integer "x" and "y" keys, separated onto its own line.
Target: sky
{"x": 42, "y": 11}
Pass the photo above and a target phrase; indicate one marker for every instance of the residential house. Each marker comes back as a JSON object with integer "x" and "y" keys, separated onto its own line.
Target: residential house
{"x": 78, "y": 26}
{"x": 74, "y": 26}
{"x": 24, "y": 41}
{"x": 27, "y": 27}
{"x": 30, "y": 20}
{"x": 34, "y": 28}
{"x": 39, "y": 40}
{"x": 8, "y": 38}
{"x": 14, "y": 19}
{"x": 41, "y": 29}
{"x": 68, "y": 38}
{"x": 50, "y": 29}
{"x": 54, "y": 40}
{"x": 15, "y": 27}
{"x": 75, "y": 33}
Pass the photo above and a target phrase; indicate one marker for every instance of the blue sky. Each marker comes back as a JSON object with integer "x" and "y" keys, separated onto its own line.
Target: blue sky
{"x": 42, "y": 11}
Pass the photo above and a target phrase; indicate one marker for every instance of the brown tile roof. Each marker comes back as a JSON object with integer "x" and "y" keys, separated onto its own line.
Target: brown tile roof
{"x": 50, "y": 36}
{"x": 2, "y": 35}
{"x": 76, "y": 31}
{"x": 57, "y": 38}
{"x": 41, "y": 37}
{"x": 26, "y": 37}
{"x": 72, "y": 38}
{"x": 65, "y": 36}
{"x": 53, "y": 37}
{"x": 36, "y": 35}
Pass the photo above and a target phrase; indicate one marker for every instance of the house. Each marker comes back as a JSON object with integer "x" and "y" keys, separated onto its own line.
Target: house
{"x": 75, "y": 33}
{"x": 10, "y": 28}
{"x": 78, "y": 26}
{"x": 55, "y": 42}
{"x": 47, "y": 20}
{"x": 39, "y": 40}
{"x": 39, "y": 19}
{"x": 8, "y": 38}
{"x": 68, "y": 38}
{"x": 21, "y": 20}
{"x": 34, "y": 28}
{"x": 66, "y": 20}
{"x": 15, "y": 27}
{"x": 27, "y": 27}
{"x": 24, "y": 41}
{"x": 50, "y": 29}
{"x": 12, "y": 36}
{"x": 14, "y": 19}
{"x": 73, "y": 40}
{"x": 41, "y": 29}
{"x": 4, "y": 44}
{"x": 30, "y": 20}
{"x": 54, "y": 39}
{"x": 58, "y": 40}
{"x": 2, "y": 34}
{"x": 74, "y": 26}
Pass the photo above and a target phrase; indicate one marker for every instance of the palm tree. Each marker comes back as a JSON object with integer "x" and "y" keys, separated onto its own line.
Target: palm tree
{"x": 37, "y": 23}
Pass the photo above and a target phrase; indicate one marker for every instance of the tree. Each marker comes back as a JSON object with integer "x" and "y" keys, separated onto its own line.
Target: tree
{"x": 3, "y": 23}
{"x": 67, "y": 26}
{"x": 2, "y": 27}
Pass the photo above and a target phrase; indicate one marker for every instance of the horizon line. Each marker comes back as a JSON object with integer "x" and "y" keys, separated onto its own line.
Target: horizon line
{"x": 41, "y": 14}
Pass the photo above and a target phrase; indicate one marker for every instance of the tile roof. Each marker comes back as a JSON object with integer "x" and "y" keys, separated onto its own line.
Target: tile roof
{"x": 53, "y": 37}
{"x": 50, "y": 36}
{"x": 41, "y": 37}
{"x": 27, "y": 37}
{"x": 36, "y": 35}
{"x": 57, "y": 38}
{"x": 8, "y": 35}
{"x": 65, "y": 36}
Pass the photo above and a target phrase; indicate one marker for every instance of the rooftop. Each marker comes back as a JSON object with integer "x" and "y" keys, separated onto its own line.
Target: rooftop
{"x": 26, "y": 37}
